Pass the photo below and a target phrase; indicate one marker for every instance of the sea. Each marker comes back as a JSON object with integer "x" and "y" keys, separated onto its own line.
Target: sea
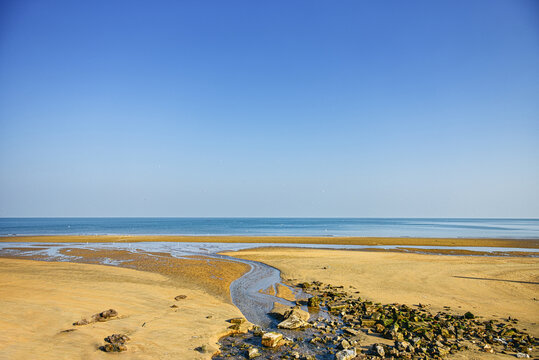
{"x": 331, "y": 227}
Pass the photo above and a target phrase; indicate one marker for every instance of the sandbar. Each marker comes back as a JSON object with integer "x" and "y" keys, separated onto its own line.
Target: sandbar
{"x": 368, "y": 241}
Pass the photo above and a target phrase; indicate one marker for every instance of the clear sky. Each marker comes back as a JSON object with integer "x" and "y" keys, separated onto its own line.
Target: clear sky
{"x": 269, "y": 108}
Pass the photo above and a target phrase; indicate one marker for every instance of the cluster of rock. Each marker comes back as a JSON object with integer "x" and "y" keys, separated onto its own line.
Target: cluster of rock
{"x": 115, "y": 343}
{"x": 417, "y": 332}
{"x": 99, "y": 317}
{"x": 407, "y": 332}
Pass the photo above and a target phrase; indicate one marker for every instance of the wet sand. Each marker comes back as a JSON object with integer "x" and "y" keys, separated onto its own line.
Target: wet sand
{"x": 492, "y": 287}
{"x": 40, "y": 299}
{"x": 514, "y": 243}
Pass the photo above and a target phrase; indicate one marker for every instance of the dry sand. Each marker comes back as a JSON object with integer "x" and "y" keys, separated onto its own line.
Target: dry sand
{"x": 493, "y": 287}
{"x": 515, "y": 243}
{"x": 40, "y": 299}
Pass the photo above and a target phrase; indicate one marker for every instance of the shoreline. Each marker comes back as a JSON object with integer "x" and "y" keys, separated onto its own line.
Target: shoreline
{"x": 367, "y": 241}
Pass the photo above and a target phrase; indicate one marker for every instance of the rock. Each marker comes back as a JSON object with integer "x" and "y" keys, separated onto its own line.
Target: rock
{"x": 378, "y": 349}
{"x": 403, "y": 345}
{"x": 253, "y": 352}
{"x": 99, "y": 317}
{"x": 344, "y": 345}
{"x": 241, "y": 328}
{"x": 202, "y": 349}
{"x": 180, "y": 297}
{"x": 313, "y": 301}
{"x": 237, "y": 320}
{"x": 293, "y": 322}
{"x": 297, "y": 312}
{"x": 469, "y": 315}
{"x": 488, "y": 348}
{"x": 113, "y": 348}
{"x": 67, "y": 331}
{"x": 351, "y": 331}
{"x": 279, "y": 310}
{"x": 367, "y": 323}
{"x": 522, "y": 355}
{"x": 257, "y": 331}
{"x": 81, "y": 322}
{"x": 173, "y": 306}
{"x": 117, "y": 338}
{"x": 347, "y": 354}
{"x": 104, "y": 315}
{"x": 271, "y": 339}
{"x": 336, "y": 307}
{"x": 116, "y": 343}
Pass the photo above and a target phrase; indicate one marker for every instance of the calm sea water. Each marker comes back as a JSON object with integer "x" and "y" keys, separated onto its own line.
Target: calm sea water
{"x": 453, "y": 228}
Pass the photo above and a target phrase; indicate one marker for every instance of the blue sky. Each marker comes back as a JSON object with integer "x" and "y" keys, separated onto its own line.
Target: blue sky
{"x": 276, "y": 108}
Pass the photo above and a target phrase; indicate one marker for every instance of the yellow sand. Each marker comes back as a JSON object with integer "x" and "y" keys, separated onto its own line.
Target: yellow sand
{"x": 40, "y": 299}
{"x": 492, "y": 287}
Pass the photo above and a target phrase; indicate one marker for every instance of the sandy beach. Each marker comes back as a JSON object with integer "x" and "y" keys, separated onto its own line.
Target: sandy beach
{"x": 39, "y": 300}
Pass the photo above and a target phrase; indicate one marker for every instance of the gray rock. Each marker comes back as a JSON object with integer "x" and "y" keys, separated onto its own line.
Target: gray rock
{"x": 378, "y": 350}
{"x": 253, "y": 352}
{"x": 347, "y": 354}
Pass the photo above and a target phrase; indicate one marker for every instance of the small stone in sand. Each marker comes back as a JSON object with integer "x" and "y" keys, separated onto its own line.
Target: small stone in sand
{"x": 116, "y": 343}
{"x": 202, "y": 349}
{"x": 99, "y": 317}
{"x": 180, "y": 297}
{"x": 236, "y": 321}
{"x": 117, "y": 338}
{"x": 104, "y": 315}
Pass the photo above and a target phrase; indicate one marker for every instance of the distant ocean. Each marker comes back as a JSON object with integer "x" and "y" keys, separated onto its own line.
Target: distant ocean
{"x": 382, "y": 227}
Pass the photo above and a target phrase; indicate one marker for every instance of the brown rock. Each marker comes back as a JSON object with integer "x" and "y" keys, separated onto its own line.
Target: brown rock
{"x": 297, "y": 312}
{"x": 271, "y": 339}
